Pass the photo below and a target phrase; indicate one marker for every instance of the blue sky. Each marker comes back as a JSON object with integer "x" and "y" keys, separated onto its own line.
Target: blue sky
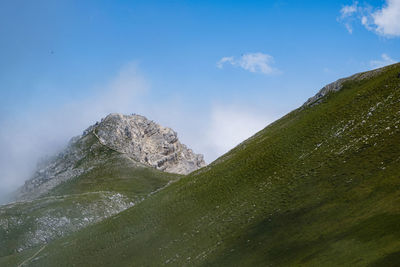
{"x": 215, "y": 71}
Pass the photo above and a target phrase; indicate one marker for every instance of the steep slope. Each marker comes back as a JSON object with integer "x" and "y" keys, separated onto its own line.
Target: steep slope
{"x": 319, "y": 187}
{"x": 99, "y": 174}
{"x": 105, "y": 190}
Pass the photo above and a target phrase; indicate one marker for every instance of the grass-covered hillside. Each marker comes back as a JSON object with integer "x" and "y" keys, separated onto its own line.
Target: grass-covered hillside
{"x": 110, "y": 183}
{"x": 109, "y": 170}
{"x": 319, "y": 187}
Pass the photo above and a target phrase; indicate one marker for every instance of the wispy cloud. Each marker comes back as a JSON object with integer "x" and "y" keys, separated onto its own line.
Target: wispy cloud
{"x": 253, "y": 62}
{"x": 349, "y": 10}
{"x": 384, "y": 61}
{"x": 27, "y": 138}
{"x": 346, "y": 13}
{"x": 384, "y": 21}
{"x": 230, "y": 60}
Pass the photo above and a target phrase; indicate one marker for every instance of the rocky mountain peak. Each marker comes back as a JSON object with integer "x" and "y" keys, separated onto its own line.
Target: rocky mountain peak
{"x": 117, "y": 137}
{"x": 146, "y": 142}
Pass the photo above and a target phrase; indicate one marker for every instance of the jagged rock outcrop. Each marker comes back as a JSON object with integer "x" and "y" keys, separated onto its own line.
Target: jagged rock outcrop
{"x": 337, "y": 85}
{"x": 117, "y": 136}
{"x": 147, "y": 142}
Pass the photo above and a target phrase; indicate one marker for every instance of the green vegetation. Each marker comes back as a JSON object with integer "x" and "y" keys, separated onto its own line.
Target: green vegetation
{"x": 113, "y": 183}
{"x": 118, "y": 174}
{"x": 319, "y": 187}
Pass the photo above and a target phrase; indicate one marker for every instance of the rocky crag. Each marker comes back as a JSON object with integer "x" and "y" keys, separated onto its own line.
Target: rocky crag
{"x": 142, "y": 141}
{"x": 338, "y": 85}
{"x": 147, "y": 142}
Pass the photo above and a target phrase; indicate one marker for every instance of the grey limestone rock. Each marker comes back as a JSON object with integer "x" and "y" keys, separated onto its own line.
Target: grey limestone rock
{"x": 142, "y": 141}
{"x": 338, "y": 85}
{"x": 147, "y": 142}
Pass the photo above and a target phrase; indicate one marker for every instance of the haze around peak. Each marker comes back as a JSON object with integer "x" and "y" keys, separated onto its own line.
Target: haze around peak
{"x": 30, "y": 136}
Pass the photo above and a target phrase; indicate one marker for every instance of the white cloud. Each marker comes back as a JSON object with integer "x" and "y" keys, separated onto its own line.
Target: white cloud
{"x": 220, "y": 64}
{"x": 384, "y": 21}
{"x": 386, "y": 60}
{"x": 387, "y": 19}
{"x": 346, "y": 14}
{"x": 253, "y": 62}
{"x": 349, "y": 10}
{"x": 230, "y": 125}
{"x": 349, "y": 28}
{"x": 34, "y": 134}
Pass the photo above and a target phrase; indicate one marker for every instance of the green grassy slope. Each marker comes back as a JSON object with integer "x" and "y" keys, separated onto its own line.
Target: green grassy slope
{"x": 113, "y": 183}
{"x": 112, "y": 171}
{"x": 319, "y": 187}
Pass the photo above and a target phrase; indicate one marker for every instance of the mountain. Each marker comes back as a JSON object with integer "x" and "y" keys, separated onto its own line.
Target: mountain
{"x": 133, "y": 138}
{"x": 318, "y": 187}
{"x": 112, "y": 166}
